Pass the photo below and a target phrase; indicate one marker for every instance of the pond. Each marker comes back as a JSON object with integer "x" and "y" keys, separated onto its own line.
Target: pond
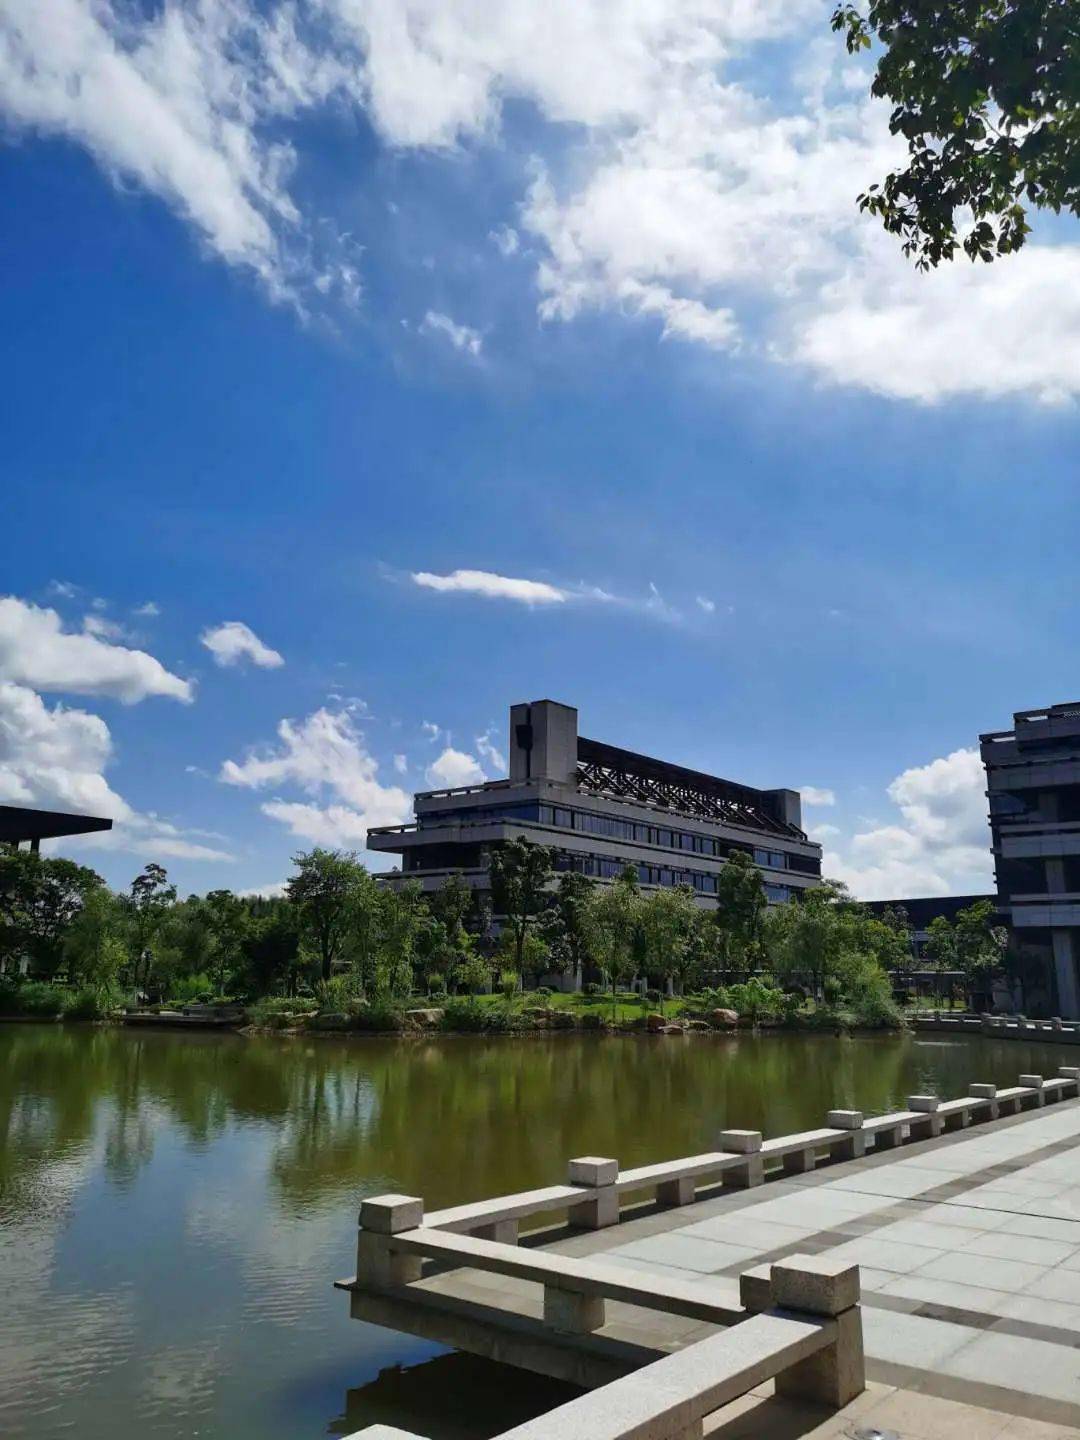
{"x": 174, "y": 1207}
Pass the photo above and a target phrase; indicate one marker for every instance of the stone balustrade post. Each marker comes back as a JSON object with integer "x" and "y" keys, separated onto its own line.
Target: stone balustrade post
{"x": 854, "y": 1146}
{"x": 377, "y": 1265}
{"x": 1072, "y": 1074}
{"x": 752, "y": 1170}
{"x": 986, "y": 1092}
{"x": 755, "y": 1289}
{"x": 824, "y": 1286}
{"x": 571, "y": 1312}
{"x": 930, "y": 1122}
{"x": 679, "y": 1191}
{"x": 503, "y": 1232}
{"x": 1034, "y": 1082}
{"x": 598, "y": 1173}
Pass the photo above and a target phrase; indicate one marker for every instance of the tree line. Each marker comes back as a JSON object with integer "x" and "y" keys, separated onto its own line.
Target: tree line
{"x": 338, "y": 934}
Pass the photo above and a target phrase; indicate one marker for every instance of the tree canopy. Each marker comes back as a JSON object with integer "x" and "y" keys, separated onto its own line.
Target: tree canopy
{"x": 985, "y": 93}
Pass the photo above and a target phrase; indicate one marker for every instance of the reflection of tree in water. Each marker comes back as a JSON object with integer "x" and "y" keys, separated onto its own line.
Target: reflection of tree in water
{"x": 451, "y": 1119}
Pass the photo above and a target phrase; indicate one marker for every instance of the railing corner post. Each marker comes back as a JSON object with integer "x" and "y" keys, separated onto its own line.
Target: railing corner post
{"x": 378, "y": 1265}
{"x": 827, "y": 1287}
{"x": 929, "y": 1122}
{"x": 986, "y": 1092}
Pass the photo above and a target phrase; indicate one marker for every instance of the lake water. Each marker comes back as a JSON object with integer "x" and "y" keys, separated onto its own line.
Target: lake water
{"x": 174, "y": 1207}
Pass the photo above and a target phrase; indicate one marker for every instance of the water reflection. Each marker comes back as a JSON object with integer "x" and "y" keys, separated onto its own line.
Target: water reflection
{"x": 174, "y": 1207}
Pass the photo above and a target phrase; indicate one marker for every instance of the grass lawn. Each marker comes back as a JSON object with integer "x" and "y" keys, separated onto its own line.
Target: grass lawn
{"x": 627, "y": 1004}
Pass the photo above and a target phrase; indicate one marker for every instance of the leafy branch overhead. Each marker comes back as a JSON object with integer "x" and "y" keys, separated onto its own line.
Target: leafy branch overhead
{"x": 985, "y": 94}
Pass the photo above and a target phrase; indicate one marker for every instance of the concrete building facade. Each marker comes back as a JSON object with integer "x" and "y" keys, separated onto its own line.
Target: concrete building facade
{"x": 603, "y": 808}
{"x": 1033, "y": 783}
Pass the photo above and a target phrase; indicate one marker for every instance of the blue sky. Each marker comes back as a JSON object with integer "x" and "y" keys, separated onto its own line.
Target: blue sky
{"x": 303, "y": 303}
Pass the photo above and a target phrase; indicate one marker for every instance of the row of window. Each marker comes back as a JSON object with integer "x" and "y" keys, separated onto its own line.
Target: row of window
{"x": 588, "y": 823}
{"x": 601, "y": 868}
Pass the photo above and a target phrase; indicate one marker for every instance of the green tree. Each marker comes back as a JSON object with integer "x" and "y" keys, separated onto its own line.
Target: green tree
{"x": 668, "y": 925}
{"x": 325, "y": 890}
{"x": 147, "y": 904}
{"x": 980, "y": 944}
{"x": 402, "y": 915}
{"x": 563, "y": 925}
{"x": 271, "y": 948}
{"x": 40, "y": 897}
{"x": 520, "y": 874}
{"x": 986, "y": 93}
{"x": 94, "y": 949}
{"x": 940, "y": 950}
{"x": 614, "y": 920}
{"x": 740, "y": 909}
{"x": 227, "y": 919}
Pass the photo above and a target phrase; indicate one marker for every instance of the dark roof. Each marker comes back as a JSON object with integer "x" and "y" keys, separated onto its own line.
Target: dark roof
{"x": 18, "y": 823}
{"x": 921, "y": 909}
{"x": 607, "y": 770}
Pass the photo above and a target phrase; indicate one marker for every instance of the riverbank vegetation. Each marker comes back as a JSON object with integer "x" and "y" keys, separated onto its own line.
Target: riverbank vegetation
{"x": 339, "y": 950}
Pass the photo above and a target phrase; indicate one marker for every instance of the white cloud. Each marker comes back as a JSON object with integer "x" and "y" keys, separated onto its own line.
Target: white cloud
{"x": 431, "y": 730}
{"x": 704, "y": 603}
{"x": 63, "y": 588}
{"x": 938, "y": 845}
{"x": 326, "y": 757}
{"x": 817, "y": 795}
{"x": 486, "y": 749}
{"x": 401, "y": 764}
{"x": 492, "y": 587}
{"x": 103, "y": 628}
{"x": 823, "y": 832}
{"x": 274, "y": 890}
{"x": 694, "y": 172}
{"x": 454, "y": 768}
{"x": 461, "y": 337}
{"x": 35, "y": 650}
{"x": 232, "y": 642}
{"x": 506, "y": 240}
{"x": 55, "y": 758}
{"x": 148, "y": 609}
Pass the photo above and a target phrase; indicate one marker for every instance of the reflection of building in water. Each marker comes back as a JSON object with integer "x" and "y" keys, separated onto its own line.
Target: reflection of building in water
{"x": 1033, "y": 781}
{"x": 603, "y": 809}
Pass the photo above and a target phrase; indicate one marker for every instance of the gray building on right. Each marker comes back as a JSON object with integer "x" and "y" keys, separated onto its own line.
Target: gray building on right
{"x": 1033, "y": 784}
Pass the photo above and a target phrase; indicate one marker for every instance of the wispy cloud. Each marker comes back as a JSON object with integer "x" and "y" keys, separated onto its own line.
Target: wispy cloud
{"x": 492, "y": 586}
{"x": 461, "y": 337}
{"x": 817, "y": 795}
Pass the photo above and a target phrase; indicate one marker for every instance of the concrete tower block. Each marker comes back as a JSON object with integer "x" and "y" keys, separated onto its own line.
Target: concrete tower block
{"x": 543, "y": 742}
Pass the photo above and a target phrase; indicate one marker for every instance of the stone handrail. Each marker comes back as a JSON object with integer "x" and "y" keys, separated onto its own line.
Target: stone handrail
{"x": 744, "y": 1158}
{"x": 808, "y": 1337}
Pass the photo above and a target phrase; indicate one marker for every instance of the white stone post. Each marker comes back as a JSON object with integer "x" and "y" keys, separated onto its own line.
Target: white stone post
{"x": 822, "y": 1285}
{"x": 798, "y": 1162}
{"x": 1034, "y": 1082}
{"x": 679, "y": 1191}
{"x": 986, "y": 1092}
{"x": 752, "y": 1171}
{"x": 598, "y": 1173}
{"x": 503, "y": 1232}
{"x": 889, "y": 1137}
{"x": 854, "y": 1146}
{"x": 572, "y": 1312}
{"x": 377, "y": 1265}
{"x": 1071, "y": 1073}
{"x": 755, "y": 1289}
{"x": 928, "y": 1106}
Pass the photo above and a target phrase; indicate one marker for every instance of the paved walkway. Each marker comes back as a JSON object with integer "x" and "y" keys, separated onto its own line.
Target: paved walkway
{"x": 970, "y": 1254}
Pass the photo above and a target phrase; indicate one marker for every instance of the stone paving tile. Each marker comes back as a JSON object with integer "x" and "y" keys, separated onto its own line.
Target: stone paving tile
{"x": 963, "y": 1217}
{"x": 987, "y": 1270}
{"x": 975, "y": 1298}
{"x": 882, "y": 1253}
{"x": 910, "y": 1339}
{"x": 1037, "y": 1310}
{"x": 912, "y": 1414}
{"x": 1063, "y": 1285}
{"x": 705, "y": 1256}
{"x": 1045, "y": 1227}
{"x": 1023, "y": 1429}
{"x": 1015, "y": 1363}
{"x": 927, "y": 1234}
{"x": 746, "y": 1229}
{"x": 1005, "y": 1245}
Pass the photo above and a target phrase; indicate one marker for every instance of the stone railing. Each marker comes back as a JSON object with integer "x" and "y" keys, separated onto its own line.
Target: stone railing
{"x": 1001, "y": 1027}
{"x": 806, "y": 1332}
{"x": 595, "y": 1184}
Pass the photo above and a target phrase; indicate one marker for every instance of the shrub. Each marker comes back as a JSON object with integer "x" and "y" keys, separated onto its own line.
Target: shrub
{"x": 758, "y": 999}
{"x": 590, "y": 989}
{"x": 544, "y": 990}
{"x": 191, "y": 988}
{"x": 276, "y": 1011}
{"x": 593, "y": 1020}
{"x": 508, "y": 984}
{"x": 92, "y": 1002}
{"x": 653, "y": 997}
{"x": 464, "y": 1015}
{"x": 334, "y": 994}
{"x": 379, "y": 1015}
{"x": 31, "y": 997}
{"x": 436, "y": 983}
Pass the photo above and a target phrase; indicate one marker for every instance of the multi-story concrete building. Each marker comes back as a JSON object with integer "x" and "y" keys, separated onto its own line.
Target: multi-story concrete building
{"x": 603, "y": 808}
{"x": 1033, "y": 781}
